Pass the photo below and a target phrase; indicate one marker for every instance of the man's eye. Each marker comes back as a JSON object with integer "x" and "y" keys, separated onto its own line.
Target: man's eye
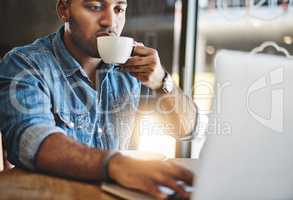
{"x": 95, "y": 7}
{"x": 120, "y": 10}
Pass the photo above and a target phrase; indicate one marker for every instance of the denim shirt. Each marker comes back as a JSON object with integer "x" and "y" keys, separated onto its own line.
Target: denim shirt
{"x": 44, "y": 90}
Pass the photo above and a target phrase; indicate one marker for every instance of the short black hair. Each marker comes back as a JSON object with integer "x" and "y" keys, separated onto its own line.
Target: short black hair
{"x": 65, "y": 1}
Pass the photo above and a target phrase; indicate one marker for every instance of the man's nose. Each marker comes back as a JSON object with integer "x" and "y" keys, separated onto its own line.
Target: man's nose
{"x": 107, "y": 18}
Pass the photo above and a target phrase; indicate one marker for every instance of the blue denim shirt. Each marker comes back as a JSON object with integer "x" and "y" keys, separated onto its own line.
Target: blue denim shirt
{"x": 44, "y": 90}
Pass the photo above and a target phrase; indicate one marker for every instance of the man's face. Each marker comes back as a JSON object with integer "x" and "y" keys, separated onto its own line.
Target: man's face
{"x": 90, "y": 19}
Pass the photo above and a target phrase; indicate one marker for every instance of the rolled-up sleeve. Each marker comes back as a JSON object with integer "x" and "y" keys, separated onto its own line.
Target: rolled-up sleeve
{"x": 31, "y": 140}
{"x": 25, "y": 112}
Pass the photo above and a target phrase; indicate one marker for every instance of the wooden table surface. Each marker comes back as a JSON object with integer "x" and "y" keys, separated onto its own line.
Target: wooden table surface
{"x": 21, "y": 184}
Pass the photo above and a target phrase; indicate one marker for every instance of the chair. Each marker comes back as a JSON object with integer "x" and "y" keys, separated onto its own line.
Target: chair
{"x": 1, "y": 154}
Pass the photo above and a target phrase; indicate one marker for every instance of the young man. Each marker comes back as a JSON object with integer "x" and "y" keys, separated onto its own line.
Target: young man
{"x": 58, "y": 100}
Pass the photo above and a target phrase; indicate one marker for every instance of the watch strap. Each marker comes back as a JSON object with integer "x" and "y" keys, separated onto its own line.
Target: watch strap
{"x": 105, "y": 166}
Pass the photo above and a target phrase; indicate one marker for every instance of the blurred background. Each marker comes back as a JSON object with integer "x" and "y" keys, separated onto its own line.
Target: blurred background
{"x": 187, "y": 34}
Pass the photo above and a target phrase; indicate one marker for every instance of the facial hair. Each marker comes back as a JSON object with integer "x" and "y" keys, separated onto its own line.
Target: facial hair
{"x": 89, "y": 47}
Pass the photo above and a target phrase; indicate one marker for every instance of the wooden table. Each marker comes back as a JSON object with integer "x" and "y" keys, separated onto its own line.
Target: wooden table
{"x": 20, "y": 184}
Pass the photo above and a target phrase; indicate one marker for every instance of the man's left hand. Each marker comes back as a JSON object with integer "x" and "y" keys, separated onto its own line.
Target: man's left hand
{"x": 145, "y": 65}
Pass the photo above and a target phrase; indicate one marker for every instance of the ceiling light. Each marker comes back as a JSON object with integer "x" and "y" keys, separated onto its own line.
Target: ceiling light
{"x": 211, "y": 50}
{"x": 287, "y": 40}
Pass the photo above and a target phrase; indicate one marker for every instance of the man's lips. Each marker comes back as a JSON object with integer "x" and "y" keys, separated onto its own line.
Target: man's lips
{"x": 102, "y": 34}
{"x": 105, "y": 34}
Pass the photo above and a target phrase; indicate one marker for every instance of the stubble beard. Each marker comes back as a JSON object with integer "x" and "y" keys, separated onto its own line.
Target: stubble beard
{"x": 88, "y": 47}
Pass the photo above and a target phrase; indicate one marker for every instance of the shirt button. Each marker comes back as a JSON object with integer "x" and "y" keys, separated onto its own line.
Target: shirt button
{"x": 71, "y": 125}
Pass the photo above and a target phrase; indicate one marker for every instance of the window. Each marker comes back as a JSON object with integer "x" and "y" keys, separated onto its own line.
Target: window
{"x": 152, "y": 22}
{"x": 238, "y": 25}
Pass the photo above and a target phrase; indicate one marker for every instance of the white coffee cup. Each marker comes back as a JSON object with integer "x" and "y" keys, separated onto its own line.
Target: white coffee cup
{"x": 115, "y": 49}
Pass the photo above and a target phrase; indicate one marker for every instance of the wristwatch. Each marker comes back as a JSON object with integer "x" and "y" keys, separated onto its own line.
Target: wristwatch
{"x": 105, "y": 166}
{"x": 168, "y": 84}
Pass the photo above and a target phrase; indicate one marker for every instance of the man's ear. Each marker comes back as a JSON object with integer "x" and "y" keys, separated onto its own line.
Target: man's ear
{"x": 63, "y": 10}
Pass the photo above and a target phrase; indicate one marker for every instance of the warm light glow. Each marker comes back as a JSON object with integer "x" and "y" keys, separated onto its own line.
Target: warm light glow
{"x": 288, "y": 40}
{"x": 153, "y": 131}
{"x": 163, "y": 144}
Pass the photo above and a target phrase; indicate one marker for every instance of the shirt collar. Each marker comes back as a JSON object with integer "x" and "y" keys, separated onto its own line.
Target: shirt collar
{"x": 68, "y": 63}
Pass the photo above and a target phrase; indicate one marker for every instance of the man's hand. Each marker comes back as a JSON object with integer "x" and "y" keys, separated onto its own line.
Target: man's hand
{"x": 145, "y": 65}
{"x": 147, "y": 176}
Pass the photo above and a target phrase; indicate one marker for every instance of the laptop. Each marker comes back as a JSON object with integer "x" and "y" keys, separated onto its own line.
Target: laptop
{"x": 248, "y": 154}
{"x": 249, "y": 148}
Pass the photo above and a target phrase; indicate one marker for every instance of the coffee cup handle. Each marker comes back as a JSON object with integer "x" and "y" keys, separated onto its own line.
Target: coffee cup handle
{"x": 133, "y": 46}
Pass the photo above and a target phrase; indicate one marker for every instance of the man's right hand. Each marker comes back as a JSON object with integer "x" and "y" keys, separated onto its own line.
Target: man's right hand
{"x": 84, "y": 163}
{"x": 147, "y": 176}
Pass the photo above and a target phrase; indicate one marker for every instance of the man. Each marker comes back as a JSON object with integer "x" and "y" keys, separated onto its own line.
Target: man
{"x": 58, "y": 99}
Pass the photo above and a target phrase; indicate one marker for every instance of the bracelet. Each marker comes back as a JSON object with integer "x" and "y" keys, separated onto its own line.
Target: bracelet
{"x": 105, "y": 166}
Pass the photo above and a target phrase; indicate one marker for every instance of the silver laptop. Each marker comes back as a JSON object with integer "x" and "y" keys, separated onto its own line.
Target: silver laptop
{"x": 248, "y": 153}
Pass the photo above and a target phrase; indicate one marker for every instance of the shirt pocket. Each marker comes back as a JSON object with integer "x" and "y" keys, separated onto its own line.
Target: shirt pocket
{"x": 72, "y": 122}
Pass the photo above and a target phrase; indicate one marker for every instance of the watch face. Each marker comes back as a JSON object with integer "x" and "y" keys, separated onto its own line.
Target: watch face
{"x": 168, "y": 84}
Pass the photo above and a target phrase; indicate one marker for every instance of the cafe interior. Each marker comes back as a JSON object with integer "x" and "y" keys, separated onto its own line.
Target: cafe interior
{"x": 188, "y": 35}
